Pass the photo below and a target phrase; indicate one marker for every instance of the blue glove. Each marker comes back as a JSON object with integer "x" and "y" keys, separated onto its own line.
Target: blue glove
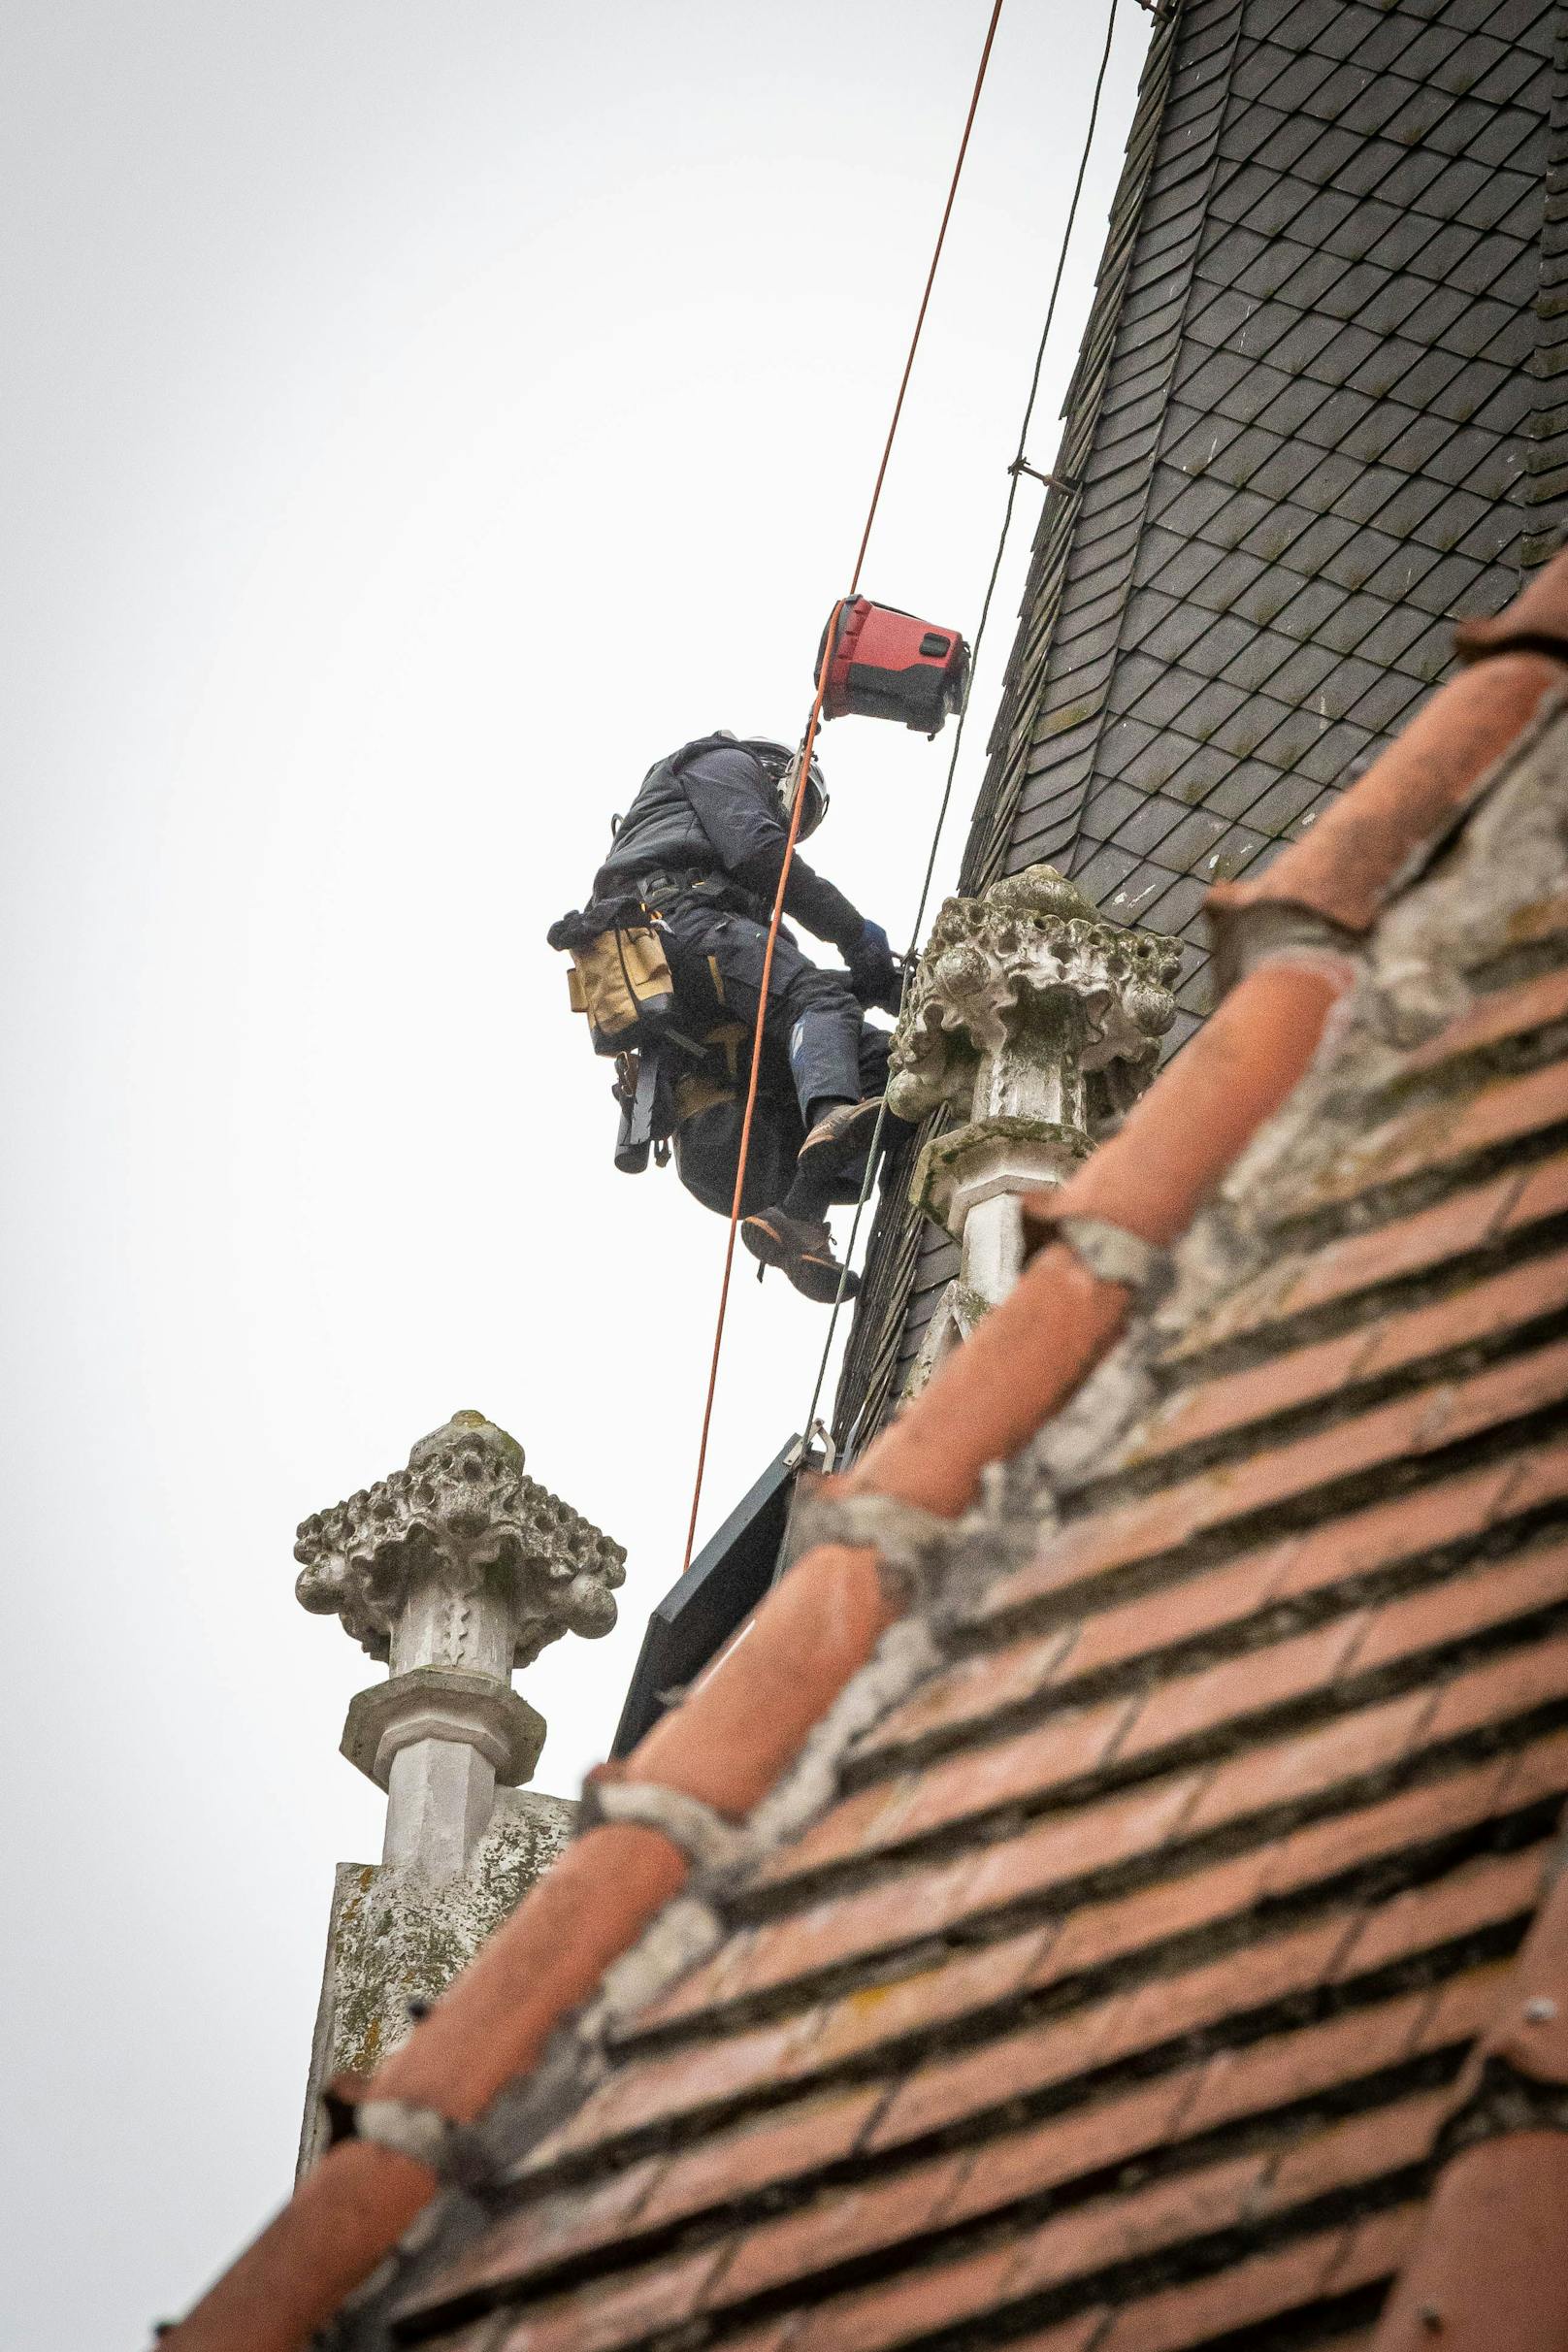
{"x": 873, "y": 974}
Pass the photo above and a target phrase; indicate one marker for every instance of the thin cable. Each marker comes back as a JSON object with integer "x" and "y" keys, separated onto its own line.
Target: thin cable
{"x": 799, "y": 803}
{"x": 925, "y": 299}
{"x": 1014, "y": 477}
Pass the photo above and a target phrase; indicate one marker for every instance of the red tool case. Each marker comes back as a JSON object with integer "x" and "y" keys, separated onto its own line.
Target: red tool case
{"x": 889, "y": 665}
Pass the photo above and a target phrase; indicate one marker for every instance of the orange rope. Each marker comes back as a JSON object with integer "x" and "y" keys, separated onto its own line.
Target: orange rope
{"x": 798, "y": 804}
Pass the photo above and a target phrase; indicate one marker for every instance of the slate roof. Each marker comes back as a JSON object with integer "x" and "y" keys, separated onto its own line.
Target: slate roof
{"x": 1314, "y": 421}
{"x": 1119, "y": 2001}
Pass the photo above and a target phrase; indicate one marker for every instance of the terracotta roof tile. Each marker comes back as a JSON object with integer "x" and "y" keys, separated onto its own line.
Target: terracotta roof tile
{"x": 1494, "y": 1889}
{"x": 1296, "y": 1283}
{"x": 973, "y": 1691}
{"x": 1508, "y": 1014}
{"x": 1176, "y": 2318}
{"x": 1254, "y": 1685}
{"x": 1216, "y": 1407}
{"x": 1347, "y": 1753}
{"x": 1440, "y": 1137}
{"x": 1086, "y": 2143}
{"x": 1364, "y": 2147}
{"x": 1485, "y": 1310}
{"x": 619, "y": 2312}
{"x": 961, "y": 1986}
{"x": 1519, "y": 1586}
{"x": 820, "y": 2236}
{"x": 1285, "y": 2070}
{"x": 1542, "y": 1192}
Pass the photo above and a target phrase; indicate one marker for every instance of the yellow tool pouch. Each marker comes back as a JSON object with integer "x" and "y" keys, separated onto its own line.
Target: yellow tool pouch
{"x": 621, "y": 980}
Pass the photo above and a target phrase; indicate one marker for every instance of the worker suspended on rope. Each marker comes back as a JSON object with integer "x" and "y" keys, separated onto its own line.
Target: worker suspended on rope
{"x": 669, "y": 954}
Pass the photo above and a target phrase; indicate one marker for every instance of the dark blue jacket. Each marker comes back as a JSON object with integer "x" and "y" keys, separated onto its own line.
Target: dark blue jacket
{"x": 712, "y": 808}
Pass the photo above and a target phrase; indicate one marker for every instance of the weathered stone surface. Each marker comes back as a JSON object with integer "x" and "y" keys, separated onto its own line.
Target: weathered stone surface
{"x": 461, "y": 1523}
{"x": 397, "y": 1935}
{"x": 1035, "y": 1026}
{"x": 446, "y": 1704}
{"x": 456, "y": 1570}
{"x": 1027, "y": 1004}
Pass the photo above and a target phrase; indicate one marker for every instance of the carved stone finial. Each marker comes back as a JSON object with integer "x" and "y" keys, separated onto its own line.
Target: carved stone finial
{"x": 455, "y": 1570}
{"x": 463, "y": 1514}
{"x": 1024, "y": 975}
{"x": 1035, "y": 1025}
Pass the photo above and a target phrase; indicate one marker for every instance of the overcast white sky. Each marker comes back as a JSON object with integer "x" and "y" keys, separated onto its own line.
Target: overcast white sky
{"x": 418, "y": 416}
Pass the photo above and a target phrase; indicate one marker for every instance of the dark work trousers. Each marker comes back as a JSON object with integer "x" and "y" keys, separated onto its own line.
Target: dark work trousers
{"x": 812, "y": 1023}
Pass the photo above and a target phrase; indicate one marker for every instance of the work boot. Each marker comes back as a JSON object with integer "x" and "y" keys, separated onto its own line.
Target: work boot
{"x": 838, "y": 1138}
{"x": 804, "y": 1251}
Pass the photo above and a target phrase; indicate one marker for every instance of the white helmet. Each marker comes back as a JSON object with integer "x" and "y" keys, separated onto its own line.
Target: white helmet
{"x": 782, "y": 767}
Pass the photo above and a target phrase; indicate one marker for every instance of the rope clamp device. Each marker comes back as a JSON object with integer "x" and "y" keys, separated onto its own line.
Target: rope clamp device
{"x": 888, "y": 665}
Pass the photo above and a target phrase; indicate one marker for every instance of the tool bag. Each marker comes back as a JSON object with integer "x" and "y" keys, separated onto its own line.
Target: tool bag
{"x": 892, "y": 665}
{"x": 620, "y": 975}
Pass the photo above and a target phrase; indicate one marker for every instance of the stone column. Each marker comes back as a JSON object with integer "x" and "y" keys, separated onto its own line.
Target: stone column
{"x": 454, "y": 1571}
{"x": 1035, "y": 1025}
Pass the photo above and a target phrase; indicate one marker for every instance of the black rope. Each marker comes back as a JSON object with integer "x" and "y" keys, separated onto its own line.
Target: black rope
{"x": 1015, "y": 474}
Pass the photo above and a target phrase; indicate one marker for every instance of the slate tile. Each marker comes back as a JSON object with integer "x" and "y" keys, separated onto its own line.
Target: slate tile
{"x": 1312, "y": 545}
{"x": 1167, "y": 909}
{"x": 1162, "y": 704}
{"x": 1284, "y": 801}
{"x": 1387, "y": 705}
{"x": 1304, "y": 673}
{"x": 1102, "y": 874}
{"x": 1171, "y": 638}
{"x": 1395, "y": 630}
{"x": 1440, "y": 589}
{"x": 1253, "y": 669}
{"x": 1380, "y": 425}
{"x": 1337, "y": 753}
{"x": 1153, "y": 768}
{"x": 1311, "y": 609}
{"x": 1144, "y": 830}
{"x": 1491, "y": 537}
